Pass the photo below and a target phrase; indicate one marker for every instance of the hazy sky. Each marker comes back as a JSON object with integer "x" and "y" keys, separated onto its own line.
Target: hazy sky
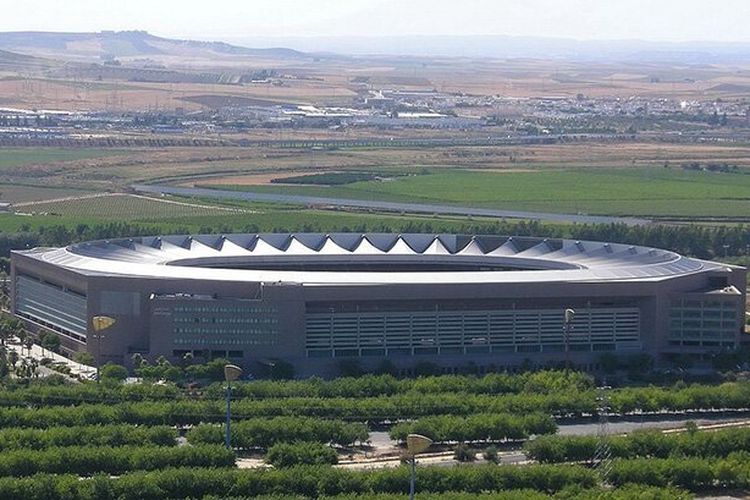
{"x": 670, "y": 20}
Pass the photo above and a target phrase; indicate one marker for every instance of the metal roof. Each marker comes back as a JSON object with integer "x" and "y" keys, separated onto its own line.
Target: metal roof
{"x": 216, "y": 257}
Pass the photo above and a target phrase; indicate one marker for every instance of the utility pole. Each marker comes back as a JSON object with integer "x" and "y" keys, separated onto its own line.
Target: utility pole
{"x": 570, "y": 315}
{"x": 603, "y": 455}
{"x": 100, "y": 323}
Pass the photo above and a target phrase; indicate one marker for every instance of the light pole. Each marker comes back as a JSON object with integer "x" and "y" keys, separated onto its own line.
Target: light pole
{"x": 231, "y": 372}
{"x": 415, "y": 443}
{"x": 100, "y": 323}
{"x": 570, "y": 315}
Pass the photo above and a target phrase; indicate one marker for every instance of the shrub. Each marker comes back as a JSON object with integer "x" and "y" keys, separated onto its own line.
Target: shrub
{"x": 300, "y": 453}
{"x": 85, "y": 460}
{"x": 262, "y": 433}
{"x": 111, "y": 371}
{"x": 464, "y": 453}
{"x": 650, "y": 443}
{"x": 490, "y": 454}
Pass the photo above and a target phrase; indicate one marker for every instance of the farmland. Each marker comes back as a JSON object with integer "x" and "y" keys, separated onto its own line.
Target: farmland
{"x": 661, "y": 192}
{"x": 125, "y": 207}
{"x": 18, "y": 157}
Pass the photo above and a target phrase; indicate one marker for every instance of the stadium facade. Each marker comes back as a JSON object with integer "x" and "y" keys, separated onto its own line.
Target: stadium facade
{"x": 313, "y": 300}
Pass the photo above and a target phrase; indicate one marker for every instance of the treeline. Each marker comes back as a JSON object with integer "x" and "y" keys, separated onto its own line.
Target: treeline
{"x": 543, "y": 382}
{"x": 640, "y": 444}
{"x": 628, "y": 492}
{"x": 305, "y": 481}
{"x": 92, "y": 435}
{"x": 263, "y": 433}
{"x": 480, "y": 427}
{"x": 693, "y": 474}
{"x": 695, "y": 240}
{"x": 88, "y": 460}
{"x": 300, "y": 453}
{"x": 731, "y": 395}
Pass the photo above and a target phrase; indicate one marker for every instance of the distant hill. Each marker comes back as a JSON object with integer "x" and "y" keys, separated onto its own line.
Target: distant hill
{"x": 11, "y": 61}
{"x": 125, "y": 44}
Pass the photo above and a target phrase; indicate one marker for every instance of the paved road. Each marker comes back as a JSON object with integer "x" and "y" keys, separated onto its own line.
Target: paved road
{"x": 385, "y": 205}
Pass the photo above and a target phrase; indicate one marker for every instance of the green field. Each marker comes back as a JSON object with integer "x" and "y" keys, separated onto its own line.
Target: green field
{"x": 18, "y": 157}
{"x": 636, "y": 191}
{"x": 13, "y": 193}
{"x": 126, "y": 208}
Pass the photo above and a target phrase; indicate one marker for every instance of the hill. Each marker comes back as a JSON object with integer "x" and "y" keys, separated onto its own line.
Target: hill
{"x": 126, "y": 44}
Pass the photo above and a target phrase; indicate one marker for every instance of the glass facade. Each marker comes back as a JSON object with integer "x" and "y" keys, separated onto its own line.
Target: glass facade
{"x": 223, "y": 325}
{"x": 469, "y": 332}
{"x": 708, "y": 322}
{"x": 53, "y": 306}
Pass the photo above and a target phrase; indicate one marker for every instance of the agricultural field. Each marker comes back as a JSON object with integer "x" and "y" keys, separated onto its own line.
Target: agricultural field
{"x": 10, "y": 193}
{"x": 18, "y": 157}
{"x": 124, "y": 207}
{"x": 343, "y": 438}
{"x": 659, "y": 192}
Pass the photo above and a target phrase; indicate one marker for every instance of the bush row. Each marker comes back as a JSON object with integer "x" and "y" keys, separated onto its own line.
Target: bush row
{"x": 262, "y": 433}
{"x": 91, "y": 435}
{"x": 693, "y": 474}
{"x": 300, "y": 453}
{"x": 307, "y": 481}
{"x": 480, "y": 427}
{"x": 403, "y": 406}
{"x": 552, "y": 449}
{"x": 86, "y": 460}
{"x": 628, "y": 492}
{"x": 541, "y": 382}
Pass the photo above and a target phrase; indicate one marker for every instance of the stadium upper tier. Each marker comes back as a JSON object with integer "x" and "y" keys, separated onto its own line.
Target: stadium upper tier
{"x": 348, "y": 258}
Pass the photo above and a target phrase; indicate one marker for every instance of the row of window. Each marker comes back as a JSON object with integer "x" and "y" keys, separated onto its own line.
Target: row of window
{"x": 707, "y": 323}
{"x": 228, "y": 320}
{"x": 416, "y": 351}
{"x": 223, "y": 341}
{"x": 470, "y": 329}
{"x": 225, "y": 309}
{"x": 224, "y": 331}
{"x": 53, "y": 306}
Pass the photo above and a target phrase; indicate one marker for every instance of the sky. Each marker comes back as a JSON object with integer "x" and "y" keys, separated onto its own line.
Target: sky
{"x": 654, "y": 20}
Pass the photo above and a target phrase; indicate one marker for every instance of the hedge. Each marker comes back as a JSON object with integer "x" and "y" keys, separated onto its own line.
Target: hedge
{"x": 262, "y": 433}
{"x": 646, "y": 444}
{"x": 86, "y": 460}
{"x": 300, "y": 453}
{"x": 693, "y": 474}
{"x": 310, "y": 481}
{"x": 481, "y": 427}
{"x": 90, "y": 435}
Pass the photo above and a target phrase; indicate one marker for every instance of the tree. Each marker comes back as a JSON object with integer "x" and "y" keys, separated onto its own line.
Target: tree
{"x": 13, "y": 358}
{"x": 137, "y": 360}
{"x": 490, "y": 454}
{"x": 113, "y": 372}
{"x": 50, "y": 341}
{"x": 85, "y": 358}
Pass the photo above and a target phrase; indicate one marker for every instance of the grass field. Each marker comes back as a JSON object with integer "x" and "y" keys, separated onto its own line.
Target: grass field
{"x": 11, "y": 193}
{"x": 631, "y": 191}
{"x": 18, "y": 157}
{"x": 126, "y": 208}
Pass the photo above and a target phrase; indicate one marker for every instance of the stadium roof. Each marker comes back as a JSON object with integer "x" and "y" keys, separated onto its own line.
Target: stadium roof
{"x": 509, "y": 259}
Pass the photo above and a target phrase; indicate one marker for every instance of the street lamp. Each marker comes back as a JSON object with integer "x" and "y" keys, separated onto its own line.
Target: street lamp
{"x": 570, "y": 315}
{"x": 415, "y": 444}
{"x": 231, "y": 372}
{"x": 100, "y": 323}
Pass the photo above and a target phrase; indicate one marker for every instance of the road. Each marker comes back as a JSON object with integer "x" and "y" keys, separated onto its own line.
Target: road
{"x": 386, "y": 205}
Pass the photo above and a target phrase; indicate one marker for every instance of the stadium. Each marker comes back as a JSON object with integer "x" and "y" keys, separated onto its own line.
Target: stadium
{"x": 313, "y": 300}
